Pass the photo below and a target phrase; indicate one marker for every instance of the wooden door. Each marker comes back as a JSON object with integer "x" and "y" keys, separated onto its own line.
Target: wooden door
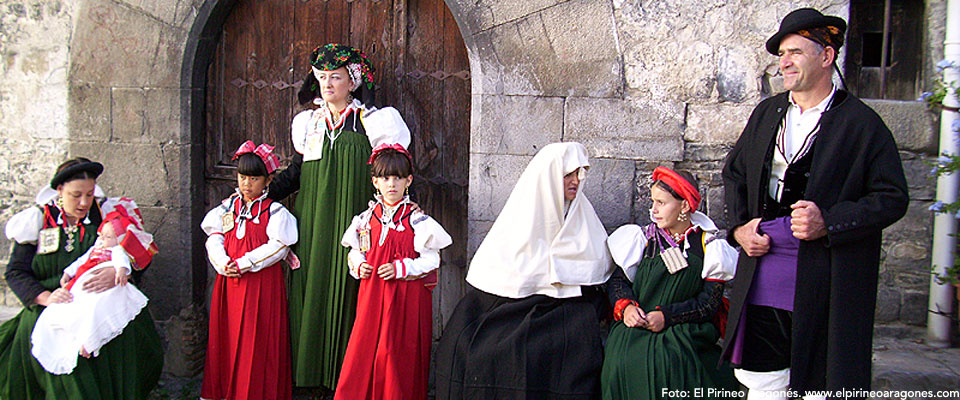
{"x": 421, "y": 68}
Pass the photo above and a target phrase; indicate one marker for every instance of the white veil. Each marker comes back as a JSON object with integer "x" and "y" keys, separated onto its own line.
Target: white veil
{"x": 532, "y": 248}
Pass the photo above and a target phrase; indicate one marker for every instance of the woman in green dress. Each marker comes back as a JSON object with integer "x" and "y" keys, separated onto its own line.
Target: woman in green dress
{"x": 667, "y": 297}
{"x": 47, "y": 237}
{"x": 333, "y": 142}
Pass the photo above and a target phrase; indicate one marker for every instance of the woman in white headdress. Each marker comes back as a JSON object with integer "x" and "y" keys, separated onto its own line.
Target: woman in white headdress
{"x": 529, "y": 323}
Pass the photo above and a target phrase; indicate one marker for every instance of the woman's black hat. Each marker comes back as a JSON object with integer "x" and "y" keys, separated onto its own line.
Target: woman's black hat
{"x": 91, "y": 167}
{"x": 805, "y": 19}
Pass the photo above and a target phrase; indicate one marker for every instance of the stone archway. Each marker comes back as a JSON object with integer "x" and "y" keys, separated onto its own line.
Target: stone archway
{"x": 412, "y": 75}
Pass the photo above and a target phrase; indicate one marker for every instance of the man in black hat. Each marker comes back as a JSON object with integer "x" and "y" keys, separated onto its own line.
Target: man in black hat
{"x": 810, "y": 185}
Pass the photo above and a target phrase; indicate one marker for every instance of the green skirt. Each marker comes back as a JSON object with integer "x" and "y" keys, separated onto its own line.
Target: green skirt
{"x": 323, "y": 295}
{"x": 677, "y": 362}
{"x": 641, "y": 364}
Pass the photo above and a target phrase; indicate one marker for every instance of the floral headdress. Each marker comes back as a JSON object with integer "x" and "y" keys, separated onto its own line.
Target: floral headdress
{"x": 332, "y": 56}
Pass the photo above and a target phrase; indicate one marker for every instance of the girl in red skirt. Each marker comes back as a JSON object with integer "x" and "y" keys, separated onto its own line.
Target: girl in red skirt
{"x": 395, "y": 250}
{"x": 248, "y": 352}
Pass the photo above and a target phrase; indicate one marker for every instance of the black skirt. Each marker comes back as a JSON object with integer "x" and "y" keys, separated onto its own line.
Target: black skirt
{"x": 536, "y": 347}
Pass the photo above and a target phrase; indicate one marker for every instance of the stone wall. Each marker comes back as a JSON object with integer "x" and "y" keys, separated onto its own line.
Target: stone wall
{"x": 102, "y": 79}
{"x": 34, "y": 45}
{"x": 647, "y": 83}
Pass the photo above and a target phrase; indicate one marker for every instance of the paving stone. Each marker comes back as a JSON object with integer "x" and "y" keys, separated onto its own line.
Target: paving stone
{"x": 908, "y": 364}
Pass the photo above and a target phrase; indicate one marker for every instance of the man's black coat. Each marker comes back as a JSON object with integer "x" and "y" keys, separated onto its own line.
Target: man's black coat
{"x": 856, "y": 179}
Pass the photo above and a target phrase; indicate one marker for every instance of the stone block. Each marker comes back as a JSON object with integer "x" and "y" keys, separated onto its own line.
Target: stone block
{"x": 713, "y": 204}
{"x": 633, "y": 130}
{"x": 168, "y": 280}
{"x": 166, "y": 11}
{"x": 163, "y": 115}
{"x": 115, "y": 45}
{"x": 30, "y": 164}
{"x": 485, "y": 69}
{"x": 609, "y": 186}
{"x": 719, "y": 124}
{"x": 540, "y": 55}
{"x": 476, "y": 16}
{"x": 916, "y": 168}
{"x": 504, "y": 74}
{"x": 913, "y": 310}
{"x": 914, "y": 128}
{"x": 90, "y": 113}
{"x": 888, "y": 305}
{"x": 667, "y": 69}
{"x": 154, "y": 179}
{"x": 735, "y": 78}
{"x": 519, "y": 125}
{"x": 915, "y": 226}
{"x": 146, "y": 115}
{"x": 699, "y": 51}
{"x": 166, "y": 65}
{"x": 591, "y": 50}
{"x": 492, "y": 178}
{"x": 706, "y": 154}
{"x": 935, "y": 27}
{"x": 471, "y": 16}
{"x": 33, "y": 85}
{"x": 632, "y": 149}
{"x": 477, "y": 231}
{"x": 186, "y": 334}
{"x": 128, "y": 115}
{"x": 913, "y": 277}
{"x": 910, "y": 251}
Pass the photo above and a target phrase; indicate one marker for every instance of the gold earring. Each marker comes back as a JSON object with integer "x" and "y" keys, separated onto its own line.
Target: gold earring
{"x": 406, "y": 191}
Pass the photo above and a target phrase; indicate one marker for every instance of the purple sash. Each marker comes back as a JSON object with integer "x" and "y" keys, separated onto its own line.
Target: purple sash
{"x": 775, "y": 279}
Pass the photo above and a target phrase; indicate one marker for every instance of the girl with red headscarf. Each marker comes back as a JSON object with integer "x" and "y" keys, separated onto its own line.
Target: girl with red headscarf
{"x": 667, "y": 297}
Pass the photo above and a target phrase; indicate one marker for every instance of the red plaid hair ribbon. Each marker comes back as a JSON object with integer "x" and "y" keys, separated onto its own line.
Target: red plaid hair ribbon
{"x": 395, "y": 146}
{"x": 264, "y": 151}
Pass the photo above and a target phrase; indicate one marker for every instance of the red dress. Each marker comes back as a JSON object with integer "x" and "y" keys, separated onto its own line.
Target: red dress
{"x": 248, "y": 350}
{"x": 388, "y": 356}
